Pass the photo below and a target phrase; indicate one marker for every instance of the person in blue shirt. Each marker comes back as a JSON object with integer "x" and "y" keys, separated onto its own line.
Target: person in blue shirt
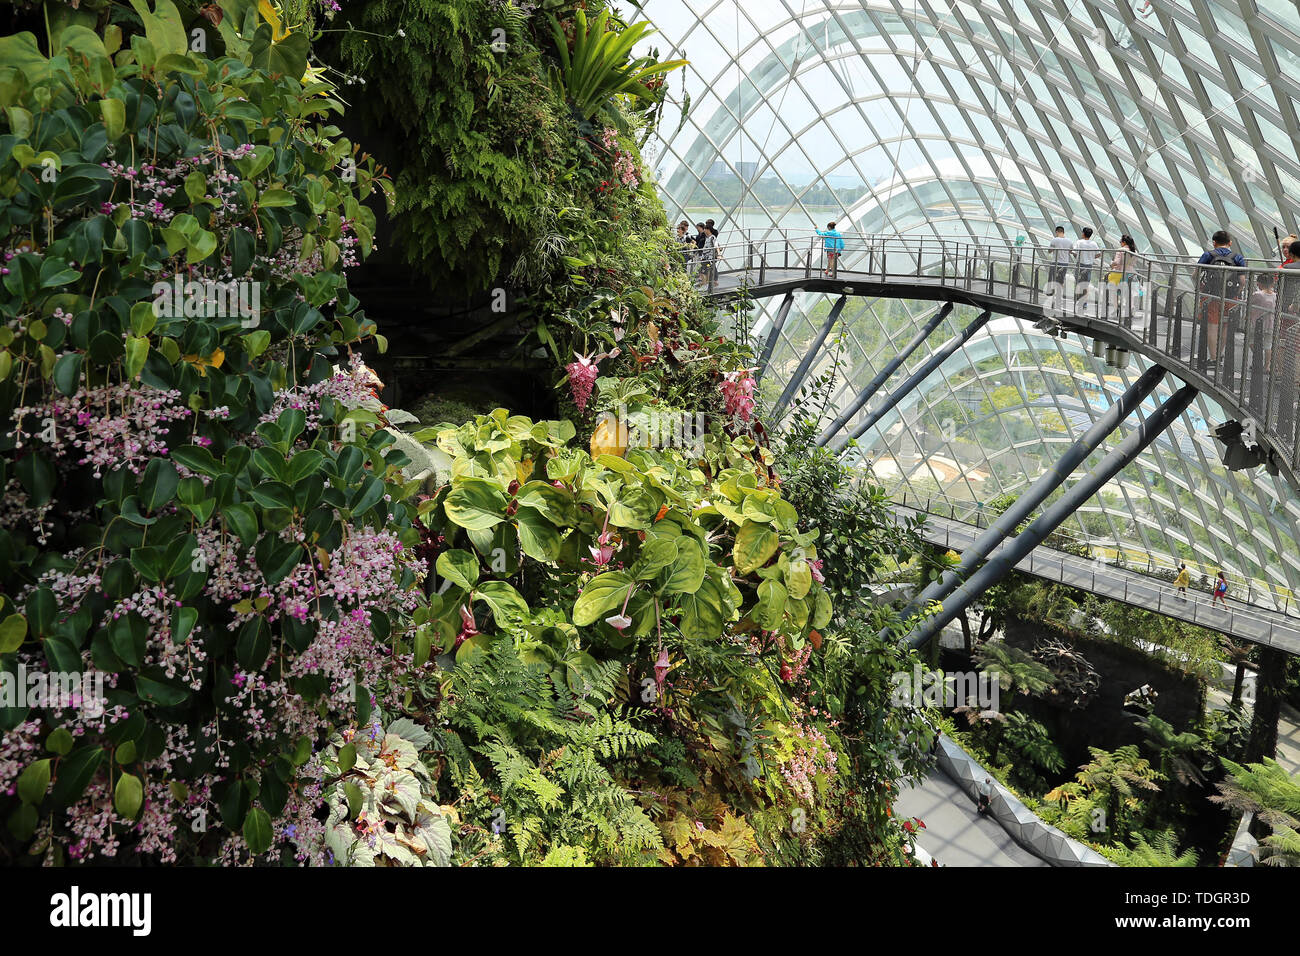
{"x": 1218, "y": 287}
{"x": 833, "y": 245}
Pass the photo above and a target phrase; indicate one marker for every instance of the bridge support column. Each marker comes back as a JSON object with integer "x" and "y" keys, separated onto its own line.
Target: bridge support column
{"x": 1005, "y": 525}
{"x": 809, "y": 357}
{"x": 778, "y": 323}
{"x": 883, "y": 375}
{"x": 1019, "y": 547}
{"x": 925, "y": 371}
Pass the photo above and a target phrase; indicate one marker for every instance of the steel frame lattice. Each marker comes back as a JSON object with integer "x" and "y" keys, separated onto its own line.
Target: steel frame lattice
{"x": 1002, "y": 118}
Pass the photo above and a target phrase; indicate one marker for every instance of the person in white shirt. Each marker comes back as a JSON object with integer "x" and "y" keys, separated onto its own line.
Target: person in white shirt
{"x": 1086, "y": 252}
{"x": 1060, "y": 256}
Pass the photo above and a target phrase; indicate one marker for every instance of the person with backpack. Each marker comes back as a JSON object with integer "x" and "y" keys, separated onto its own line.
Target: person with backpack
{"x": 832, "y": 245}
{"x": 1218, "y": 287}
{"x": 1220, "y": 591}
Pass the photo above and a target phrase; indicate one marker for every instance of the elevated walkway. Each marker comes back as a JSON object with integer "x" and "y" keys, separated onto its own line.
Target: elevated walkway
{"x": 1191, "y": 320}
{"x": 1241, "y": 620}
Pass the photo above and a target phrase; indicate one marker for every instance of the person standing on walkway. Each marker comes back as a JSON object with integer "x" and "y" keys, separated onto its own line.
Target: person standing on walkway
{"x": 1119, "y": 276}
{"x": 1220, "y": 591}
{"x": 832, "y": 245}
{"x": 1184, "y": 578}
{"x": 1059, "y": 257}
{"x": 1288, "y": 308}
{"x": 708, "y": 255}
{"x": 685, "y": 243}
{"x": 1086, "y": 252}
{"x": 986, "y": 794}
{"x": 1218, "y": 289}
{"x": 1260, "y": 327}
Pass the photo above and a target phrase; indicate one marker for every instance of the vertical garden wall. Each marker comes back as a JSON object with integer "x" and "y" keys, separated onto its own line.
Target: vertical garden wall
{"x": 289, "y": 632}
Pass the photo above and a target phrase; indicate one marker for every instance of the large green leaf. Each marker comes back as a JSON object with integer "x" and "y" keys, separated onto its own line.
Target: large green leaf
{"x": 755, "y": 545}
{"x": 537, "y": 536}
{"x": 771, "y": 605}
{"x": 822, "y": 610}
{"x": 164, "y": 27}
{"x": 602, "y": 596}
{"x": 75, "y": 773}
{"x": 507, "y": 604}
{"x": 459, "y": 567}
{"x": 702, "y": 613}
{"x": 798, "y": 578}
{"x": 687, "y": 571}
{"x": 656, "y": 553}
{"x": 257, "y": 831}
{"x": 475, "y": 503}
{"x": 555, "y": 504}
{"x": 128, "y": 796}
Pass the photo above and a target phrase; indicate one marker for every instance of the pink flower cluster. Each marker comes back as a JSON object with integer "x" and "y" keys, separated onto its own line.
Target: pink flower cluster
{"x": 582, "y": 379}
{"x": 149, "y": 186}
{"x": 738, "y": 393}
{"x": 112, "y": 426}
{"x": 812, "y": 757}
{"x": 624, "y": 163}
{"x": 352, "y": 387}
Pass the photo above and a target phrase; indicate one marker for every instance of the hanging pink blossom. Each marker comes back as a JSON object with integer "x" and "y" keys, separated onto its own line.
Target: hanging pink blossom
{"x": 582, "y": 379}
{"x": 661, "y": 669}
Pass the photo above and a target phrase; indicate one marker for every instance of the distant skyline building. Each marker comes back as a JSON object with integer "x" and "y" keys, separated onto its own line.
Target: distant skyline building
{"x": 721, "y": 169}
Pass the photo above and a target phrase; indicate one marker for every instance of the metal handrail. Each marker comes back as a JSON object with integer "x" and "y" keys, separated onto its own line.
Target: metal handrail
{"x": 1181, "y": 608}
{"x": 1285, "y": 601}
{"x": 1204, "y": 318}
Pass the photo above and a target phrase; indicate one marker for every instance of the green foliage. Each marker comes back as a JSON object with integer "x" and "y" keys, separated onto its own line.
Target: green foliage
{"x": 1161, "y": 850}
{"x": 1017, "y": 670}
{"x": 1030, "y": 739}
{"x": 1182, "y": 756}
{"x": 381, "y": 809}
{"x": 1273, "y": 795}
{"x": 83, "y": 335}
{"x": 595, "y": 63}
{"x": 1117, "y": 780}
{"x": 497, "y": 177}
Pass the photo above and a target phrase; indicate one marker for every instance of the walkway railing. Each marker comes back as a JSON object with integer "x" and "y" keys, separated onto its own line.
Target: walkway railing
{"x": 1256, "y": 624}
{"x": 1234, "y": 328}
{"x": 1128, "y": 555}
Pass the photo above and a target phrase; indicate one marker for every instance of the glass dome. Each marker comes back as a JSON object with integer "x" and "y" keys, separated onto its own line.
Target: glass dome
{"x": 1164, "y": 119}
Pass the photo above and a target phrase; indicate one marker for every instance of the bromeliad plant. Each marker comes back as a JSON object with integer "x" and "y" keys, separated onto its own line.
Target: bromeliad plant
{"x": 595, "y": 62}
{"x": 196, "y": 505}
